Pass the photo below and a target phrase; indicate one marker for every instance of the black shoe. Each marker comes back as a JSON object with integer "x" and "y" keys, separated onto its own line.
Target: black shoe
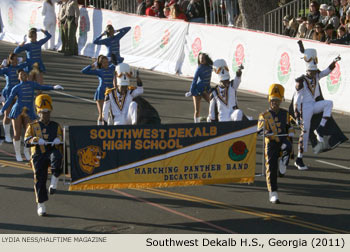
{"x": 319, "y": 132}
{"x": 52, "y": 191}
{"x": 299, "y": 163}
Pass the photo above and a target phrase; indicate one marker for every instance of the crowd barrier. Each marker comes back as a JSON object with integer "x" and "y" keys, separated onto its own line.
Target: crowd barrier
{"x": 173, "y": 46}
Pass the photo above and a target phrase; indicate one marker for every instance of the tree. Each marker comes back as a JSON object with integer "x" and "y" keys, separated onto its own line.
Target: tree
{"x": 252, "y": 12}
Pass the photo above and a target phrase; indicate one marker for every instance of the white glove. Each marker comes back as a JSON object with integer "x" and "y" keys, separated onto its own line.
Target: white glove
{"x": 188, "y": 94}
{"x": 58, "y": 87}
{"x": 4, "y": 62}
{"x": 25, "y": 38}
{"x": 56, "y": 141}
{"x": 41, "y": 141}
{"x": 95, "y": 64}
{"x": 283, "y": 146}
{"x": 2, "y": 99}
{"x": 19, "y": 60}
{"x": 1, "y": 113}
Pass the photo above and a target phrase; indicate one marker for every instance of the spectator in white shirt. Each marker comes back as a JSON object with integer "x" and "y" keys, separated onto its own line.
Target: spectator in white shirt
{"x": 49, "y": 22}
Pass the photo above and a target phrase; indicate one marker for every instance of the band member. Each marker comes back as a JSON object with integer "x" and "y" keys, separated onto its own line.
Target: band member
{"x": 44, "y": 137}
{"x": 223, "y": 98}
{"x": 33, "y": 51}
{"x": 10, "y": 71}
{"x": 201, "y": 83}
{"x": 276, "y": 123}
{"x": 307, "y": 102}
{"x": 105, "y": 73}
{"x": 112, "y": 42}
{"x": 119, "y": 100}
{"x": 22, "y": 111}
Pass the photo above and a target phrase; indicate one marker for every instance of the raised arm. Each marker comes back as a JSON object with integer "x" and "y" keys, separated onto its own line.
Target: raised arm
{"x": 122, "y": 32}
{"x": 44, "y": 40}
{"x": 88, "y": 70}
{"x": 100, "y": 41}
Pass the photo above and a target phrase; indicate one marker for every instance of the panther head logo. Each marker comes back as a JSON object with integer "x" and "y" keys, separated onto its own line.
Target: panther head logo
{"x": 90, "y": 157}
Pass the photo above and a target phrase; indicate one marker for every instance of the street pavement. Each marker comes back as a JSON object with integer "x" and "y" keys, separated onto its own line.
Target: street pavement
{"x": 313, "y": 201}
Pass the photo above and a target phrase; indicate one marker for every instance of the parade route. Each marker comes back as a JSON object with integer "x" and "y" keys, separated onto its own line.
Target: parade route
{"x": 313, "y": 201}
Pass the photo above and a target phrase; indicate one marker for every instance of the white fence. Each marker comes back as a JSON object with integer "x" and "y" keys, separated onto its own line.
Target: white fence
{"x": 173, "y": 46}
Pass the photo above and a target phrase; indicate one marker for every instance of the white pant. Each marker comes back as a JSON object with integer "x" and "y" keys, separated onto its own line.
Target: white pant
{"x": 50, "y": 26}
{"x": 237, "y": 115}
{"x": 309, "y": 109}
{"x": 130, "y": 118}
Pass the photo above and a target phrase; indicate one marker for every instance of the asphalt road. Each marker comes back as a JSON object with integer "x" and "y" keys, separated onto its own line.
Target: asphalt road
{"x": 314, "y": 201}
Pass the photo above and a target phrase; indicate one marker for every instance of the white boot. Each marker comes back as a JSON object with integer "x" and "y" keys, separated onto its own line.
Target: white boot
{"x": 53, "y": 184}
{"x": 17, "y": 147}
{"x": 197, "y": 119}
{"x": 26, "y": 152}
{"x": 99, "y": 123}
{"x": 41, "y": 209}
{"x": 274, "y": 197}
{"x": 7, "y": 128}
{"x": 282, "y": 167}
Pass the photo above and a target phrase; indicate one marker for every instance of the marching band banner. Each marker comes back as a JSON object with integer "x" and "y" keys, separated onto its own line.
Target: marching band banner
{"x": 106, "y": 157}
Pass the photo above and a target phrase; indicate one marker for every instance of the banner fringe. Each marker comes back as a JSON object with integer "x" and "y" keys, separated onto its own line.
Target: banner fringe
{"x": 80, "y": 187}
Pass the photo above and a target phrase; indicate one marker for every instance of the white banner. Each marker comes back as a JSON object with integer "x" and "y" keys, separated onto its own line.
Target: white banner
{"x": 173, "y": 46}
{"x": 267, "y": 59}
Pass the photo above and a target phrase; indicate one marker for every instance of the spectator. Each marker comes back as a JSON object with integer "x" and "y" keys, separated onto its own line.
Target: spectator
{"x": 230, "y": 9}
{"x": 195, "y": 11}
{"x": 343, "y": 7}
{"x": 343, "y": 37}
{"x": 342, "y": 21}
{"x": 62, "y": 20}
{"x": 337, "y": 6}
{"x": 323, "y": 14}
{"x": 330, "y": 32}
{"x": 158, "y": 9}
{"x": 332, "y": 17}
{"x": 176, "y": 13}
{"x": 286, "y": 30}
{"x": 141, "y": 7}
{"x": 183, "y": 5}
{"x": 293, "y": 25}
{"x": 319, "y": 34}
{"x": 149, "y": 8}
{"x": 301, "y": 30}
{"x": 309, "y": 28}
{"x": 48, "y": 12}
{"x": 347, "y": 21}
{"x": 314, "y": 14}
{"x": 72, "y": 13}
{"x": 166, "y": 11}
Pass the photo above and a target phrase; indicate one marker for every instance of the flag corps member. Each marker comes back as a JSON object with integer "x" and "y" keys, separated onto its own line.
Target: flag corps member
{"x": 119, "y": 100}
{"x": 223, "y": 99}
{"x": 308, "y": 101}
{"x": 276, "y": 122}
{"x": 44, "y": 137}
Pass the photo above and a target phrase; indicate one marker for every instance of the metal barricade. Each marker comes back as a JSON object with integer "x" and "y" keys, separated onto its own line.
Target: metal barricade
{"x": 272, "y": 21}
{"x": 219, "y": 12}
